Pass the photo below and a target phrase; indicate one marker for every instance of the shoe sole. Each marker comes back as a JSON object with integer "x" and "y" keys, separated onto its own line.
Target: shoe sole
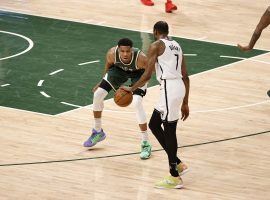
{"x": 148, "y": 156}
{"x": 145, "y": 158}
{"x": 175, "y": 187}
{"x": 184, "y": 172}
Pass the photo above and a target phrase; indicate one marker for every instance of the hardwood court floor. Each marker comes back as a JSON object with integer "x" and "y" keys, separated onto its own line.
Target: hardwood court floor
{"x": 226, "y": 104}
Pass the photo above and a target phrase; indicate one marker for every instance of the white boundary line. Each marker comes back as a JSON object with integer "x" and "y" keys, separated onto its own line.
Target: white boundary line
{"x": 100, "y": 23}
{"x": 27, "y": 111}
{"x": 231, "y": 108}
{"x": 55, "y": 72}
{"x": 241, "y": 58}
{"x": 5, "y": 85}
{"x": 90, "y": 62}
{"x": 31, "y": 44}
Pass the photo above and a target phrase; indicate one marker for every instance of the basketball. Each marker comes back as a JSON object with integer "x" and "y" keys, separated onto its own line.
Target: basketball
{"x": 122, "y": 97}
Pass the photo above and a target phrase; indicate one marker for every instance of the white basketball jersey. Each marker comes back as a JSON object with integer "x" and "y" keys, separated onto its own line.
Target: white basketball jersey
{"x": 168, "y": 65}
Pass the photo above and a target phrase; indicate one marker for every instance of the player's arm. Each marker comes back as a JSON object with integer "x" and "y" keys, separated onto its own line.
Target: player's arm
{"x": 152, "y": 57}
{"x": 264, "y": 22}
{"x": 185, "y": 107}
{"x": 108, "y": 63}
{"x": 142, "y": 61}
{"x": 109, "y": 60}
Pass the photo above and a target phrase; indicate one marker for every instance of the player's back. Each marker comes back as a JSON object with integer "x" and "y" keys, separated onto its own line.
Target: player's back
{"x": 168, "y": 64}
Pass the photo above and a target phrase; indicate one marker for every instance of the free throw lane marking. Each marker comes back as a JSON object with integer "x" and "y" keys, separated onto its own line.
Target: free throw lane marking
{"x": 190, "y": 54}
{"x": 4, "y": 85}
{"x": 44, "y": 94}
{"x": 40, "y": 83}
{"x": 70, "y": 104}
{"x": 85, "y": 63}
{"x": 55, "y": 72}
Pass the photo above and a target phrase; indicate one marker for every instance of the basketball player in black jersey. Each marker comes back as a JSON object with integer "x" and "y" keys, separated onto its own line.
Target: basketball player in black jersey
{"x": 123, "y": 63}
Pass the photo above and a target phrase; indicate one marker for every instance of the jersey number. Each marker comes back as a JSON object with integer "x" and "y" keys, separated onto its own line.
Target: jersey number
{"x": 177, "y": 58}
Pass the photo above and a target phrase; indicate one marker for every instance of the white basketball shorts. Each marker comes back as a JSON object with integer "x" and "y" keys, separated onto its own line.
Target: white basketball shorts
{"x": 172, "y": 92}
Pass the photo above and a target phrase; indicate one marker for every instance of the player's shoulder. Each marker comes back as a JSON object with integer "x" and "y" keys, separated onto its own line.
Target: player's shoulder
{"x": 112, "y": 50}
{"x": 111, "y": 54}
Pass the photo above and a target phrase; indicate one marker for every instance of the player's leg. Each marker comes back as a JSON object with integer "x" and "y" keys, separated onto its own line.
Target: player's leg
{"x": 111, "y": 80}
{"x": 146, "y": 147}
{"x": 97, "y": 132}
{"x": 174, "y": 180}
{"x": 174, "y": 101}
{"x": 169, "y": 6}
{"x": 138, "y": 95}
{"x": 168, "y": 108}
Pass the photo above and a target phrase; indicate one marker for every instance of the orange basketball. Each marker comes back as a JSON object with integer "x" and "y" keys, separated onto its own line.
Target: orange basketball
{"x": 122, "y": 97}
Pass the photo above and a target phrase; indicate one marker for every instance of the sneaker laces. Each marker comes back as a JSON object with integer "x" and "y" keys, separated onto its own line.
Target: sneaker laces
{"x": 145, "y": 147}
{"x": 95, "y": 137}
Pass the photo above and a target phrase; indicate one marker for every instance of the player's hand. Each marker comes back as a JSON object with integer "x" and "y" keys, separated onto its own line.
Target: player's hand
{"x": 96, "y": 87}
{"x": 244, "y": 48}
{"x": 185, "y": 111}
{"x": 126, "y": 88}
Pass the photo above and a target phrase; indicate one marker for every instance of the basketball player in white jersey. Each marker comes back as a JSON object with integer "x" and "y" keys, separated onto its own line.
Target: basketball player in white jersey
{"x": 166, "y": 56}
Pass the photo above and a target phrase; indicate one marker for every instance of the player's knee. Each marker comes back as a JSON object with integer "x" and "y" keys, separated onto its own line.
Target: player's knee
{"x": 140, "y": 113}
{"x": 99, "y": 95}
{"x": 98, "y": 99}
{"x": 137, "y": 102}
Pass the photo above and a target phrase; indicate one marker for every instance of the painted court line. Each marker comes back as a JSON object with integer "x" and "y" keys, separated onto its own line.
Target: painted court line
{"x": 241, "y": 58}
{"x": 40, "y": 83}
{"x": 229, "y": 65}
{"x": 70, "y": 104}
{"x": 30, "y": 46}
{"x": 90, "y": 62}
{"x": 87, "y": 21}
{"x": 44, "y": 94}
{"x": 26, "y": 111}
{"x": 100, "y": 23}
{"x": 202, "y": 38}
{"x": 4, "y": 85}
{"x": 55, "y": 72}
{"x": 190, "y": 54}
{"x": 231, "y": 108}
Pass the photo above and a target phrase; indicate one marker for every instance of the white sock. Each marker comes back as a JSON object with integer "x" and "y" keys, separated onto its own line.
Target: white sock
{"x": 144, "y": 135}
{"x": 97, "y": 124}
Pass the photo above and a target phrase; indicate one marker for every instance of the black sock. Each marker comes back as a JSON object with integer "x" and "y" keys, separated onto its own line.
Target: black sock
{"x": 173, "y": 170}
{"x": 178, "y": 161}
{"x": 171, "y": 141}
